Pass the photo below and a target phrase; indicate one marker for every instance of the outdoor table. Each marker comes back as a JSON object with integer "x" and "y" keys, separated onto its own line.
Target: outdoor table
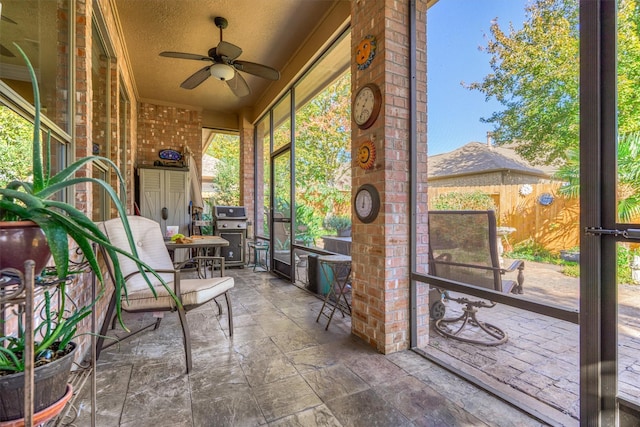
{"x": 258, "y": 249}
{"x": 337, "y": 272}
{"x": 198, "y": 247}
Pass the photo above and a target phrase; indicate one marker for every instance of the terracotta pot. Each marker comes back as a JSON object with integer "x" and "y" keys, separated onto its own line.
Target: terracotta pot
{"x": 20, "y": 241}
{"x": 50, "y": 386}
{"x": 46, "y": 414}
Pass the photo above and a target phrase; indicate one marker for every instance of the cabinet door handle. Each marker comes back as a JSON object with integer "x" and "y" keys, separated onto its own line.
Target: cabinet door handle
{"x": 165, "y": 213}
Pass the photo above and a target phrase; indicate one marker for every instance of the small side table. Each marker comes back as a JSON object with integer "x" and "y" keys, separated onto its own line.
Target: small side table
{"x": 258, "y": 249}
{"x": 337, "y": 271}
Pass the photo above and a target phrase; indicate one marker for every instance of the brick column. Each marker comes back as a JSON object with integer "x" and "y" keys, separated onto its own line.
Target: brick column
{"x": 381, "y": 249}
{"x": 247, "y": 162}
{"x": 83, "y": 138}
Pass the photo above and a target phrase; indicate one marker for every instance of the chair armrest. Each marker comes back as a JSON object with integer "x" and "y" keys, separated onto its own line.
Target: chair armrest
{"x": 176, "y": 278}
{"x": 516, "y": 265}
{"x": 203, "y": 258}
{"x": 148, "y": 271}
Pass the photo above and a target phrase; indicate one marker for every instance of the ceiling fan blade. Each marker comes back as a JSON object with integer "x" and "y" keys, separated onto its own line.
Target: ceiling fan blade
{"x": 9, "y": 20}
{"x": 6, "y": 52}
{"x": 257, "y": 70}
{"x": 182, "y": 55}
{"x": 230, "y": 51}
{"x": 196, "y": 78}
{"x": 239, "y": 86}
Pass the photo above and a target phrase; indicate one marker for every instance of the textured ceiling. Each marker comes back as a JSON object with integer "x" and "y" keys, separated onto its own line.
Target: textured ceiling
{"x": 268, "y": 31}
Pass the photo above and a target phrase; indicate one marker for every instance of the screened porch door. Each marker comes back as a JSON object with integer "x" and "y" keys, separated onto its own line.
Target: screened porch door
{"x": 281, "y": 213}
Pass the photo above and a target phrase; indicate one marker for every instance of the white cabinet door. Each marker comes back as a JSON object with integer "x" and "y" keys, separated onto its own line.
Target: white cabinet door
{"x": 176, "y": 186}
{"x": 151, "y": 200}
{"x": 164, "y": 197}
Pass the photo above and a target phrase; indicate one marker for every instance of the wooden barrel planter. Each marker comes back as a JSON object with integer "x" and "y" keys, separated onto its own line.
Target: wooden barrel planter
{"x": 50, "y": 387}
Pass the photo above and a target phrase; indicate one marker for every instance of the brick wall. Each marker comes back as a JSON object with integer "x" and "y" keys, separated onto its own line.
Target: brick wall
{"x": 162, "y": 127}
{"x": 381, "y": 249}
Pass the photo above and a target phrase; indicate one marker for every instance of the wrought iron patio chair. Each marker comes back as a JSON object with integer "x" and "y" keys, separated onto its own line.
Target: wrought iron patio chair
{"x": 463, "y": 247}
{"x": 190, "y": 292}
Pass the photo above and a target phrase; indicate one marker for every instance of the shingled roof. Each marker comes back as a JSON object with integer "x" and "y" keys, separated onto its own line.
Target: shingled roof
{"x": 476, "y": 158}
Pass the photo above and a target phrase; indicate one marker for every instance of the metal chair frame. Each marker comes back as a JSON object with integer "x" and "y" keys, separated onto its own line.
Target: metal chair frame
{"x": 444, "y": 265}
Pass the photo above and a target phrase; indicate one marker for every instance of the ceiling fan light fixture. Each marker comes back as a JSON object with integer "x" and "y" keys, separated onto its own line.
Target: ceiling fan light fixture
{"x": 222, "y": 71}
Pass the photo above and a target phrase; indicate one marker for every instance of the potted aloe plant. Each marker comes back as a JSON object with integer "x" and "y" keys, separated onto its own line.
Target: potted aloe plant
{"x": 35, "y": 202}
{"x": 54, "y": 354}
{"x": 340, "y": 223}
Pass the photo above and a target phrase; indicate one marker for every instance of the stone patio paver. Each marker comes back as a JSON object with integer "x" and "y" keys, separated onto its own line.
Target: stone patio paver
{"x": 541, "y": 357}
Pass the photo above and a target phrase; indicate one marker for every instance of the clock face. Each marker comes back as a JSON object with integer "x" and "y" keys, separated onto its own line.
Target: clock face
{"x": 364, "y": 204}
{"x": 366, "y": 106}
{"x": 363, "y": 106}
{"x": 367, "y": 203}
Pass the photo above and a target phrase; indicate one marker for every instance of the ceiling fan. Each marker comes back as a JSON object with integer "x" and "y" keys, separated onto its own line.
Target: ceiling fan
{"x": 224, "y": 65}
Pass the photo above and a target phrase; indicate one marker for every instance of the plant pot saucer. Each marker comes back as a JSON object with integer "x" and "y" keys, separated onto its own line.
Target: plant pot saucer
{"x": 46, "y": 414}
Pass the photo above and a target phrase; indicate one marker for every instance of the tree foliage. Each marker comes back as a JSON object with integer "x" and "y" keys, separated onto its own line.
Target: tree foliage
{"x": 535, "y": 76}
{"x": 628, "y": 185}
{"x": 15, "y": 146}
{"x": 225, "y": 148}
{"x": 323, "y": 149}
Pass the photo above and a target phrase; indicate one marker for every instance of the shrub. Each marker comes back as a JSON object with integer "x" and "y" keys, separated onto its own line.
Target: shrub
{"x": 474, "y": 201}
{"x": 336, "y": 222}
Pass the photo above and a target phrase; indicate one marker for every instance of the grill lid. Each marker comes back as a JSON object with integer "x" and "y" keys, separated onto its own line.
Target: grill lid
{"x": 229, "y": 212}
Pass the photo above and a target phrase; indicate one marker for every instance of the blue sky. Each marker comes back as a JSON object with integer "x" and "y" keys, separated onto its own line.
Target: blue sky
{"x": 455, "y": 30}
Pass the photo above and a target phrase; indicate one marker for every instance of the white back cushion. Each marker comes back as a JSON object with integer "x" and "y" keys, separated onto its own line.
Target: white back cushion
{"x": 150, "y": 246}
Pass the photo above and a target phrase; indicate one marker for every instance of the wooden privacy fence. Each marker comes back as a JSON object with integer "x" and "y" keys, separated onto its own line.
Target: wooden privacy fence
{"x": 554, "y": 225}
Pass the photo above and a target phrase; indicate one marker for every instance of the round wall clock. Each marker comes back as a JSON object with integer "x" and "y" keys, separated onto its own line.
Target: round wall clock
{"x": 367, "y": 203}
{"x": 366, "y": 105}
{"x": 367, "y": 155}
{"x": 365, "y": 52}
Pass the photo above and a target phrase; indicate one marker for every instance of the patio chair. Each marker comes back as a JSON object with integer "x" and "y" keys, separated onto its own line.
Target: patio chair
{"x": 463, "y": 247}
{"x": 190, "y": 292}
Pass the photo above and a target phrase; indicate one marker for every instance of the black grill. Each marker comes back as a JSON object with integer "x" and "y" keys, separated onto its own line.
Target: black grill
{"x": 230, "y": 223}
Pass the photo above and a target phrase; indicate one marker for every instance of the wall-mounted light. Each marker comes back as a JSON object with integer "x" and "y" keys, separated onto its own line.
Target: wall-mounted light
{"x": 222, "y": 71}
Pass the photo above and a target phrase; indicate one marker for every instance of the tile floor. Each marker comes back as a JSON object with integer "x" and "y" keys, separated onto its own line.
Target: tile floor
{"x": 280, "y": 368}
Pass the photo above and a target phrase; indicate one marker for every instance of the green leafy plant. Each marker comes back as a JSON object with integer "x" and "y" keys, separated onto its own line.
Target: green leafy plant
{"x": 628, "y": 175}
{"x": 55, "y": 333}
{"x": 35, "y": 201}
{"x": 473, "y": 201}
{"x": 308, "y": 224}
{"x": 532, "y": 251}
{"x": 624, "y": 259}
{"x": 337, "y": 222}
{"x": 571, "y": 269}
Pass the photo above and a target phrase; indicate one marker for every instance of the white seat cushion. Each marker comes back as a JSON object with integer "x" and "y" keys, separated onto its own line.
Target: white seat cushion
{"x": 193, "y": 291}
